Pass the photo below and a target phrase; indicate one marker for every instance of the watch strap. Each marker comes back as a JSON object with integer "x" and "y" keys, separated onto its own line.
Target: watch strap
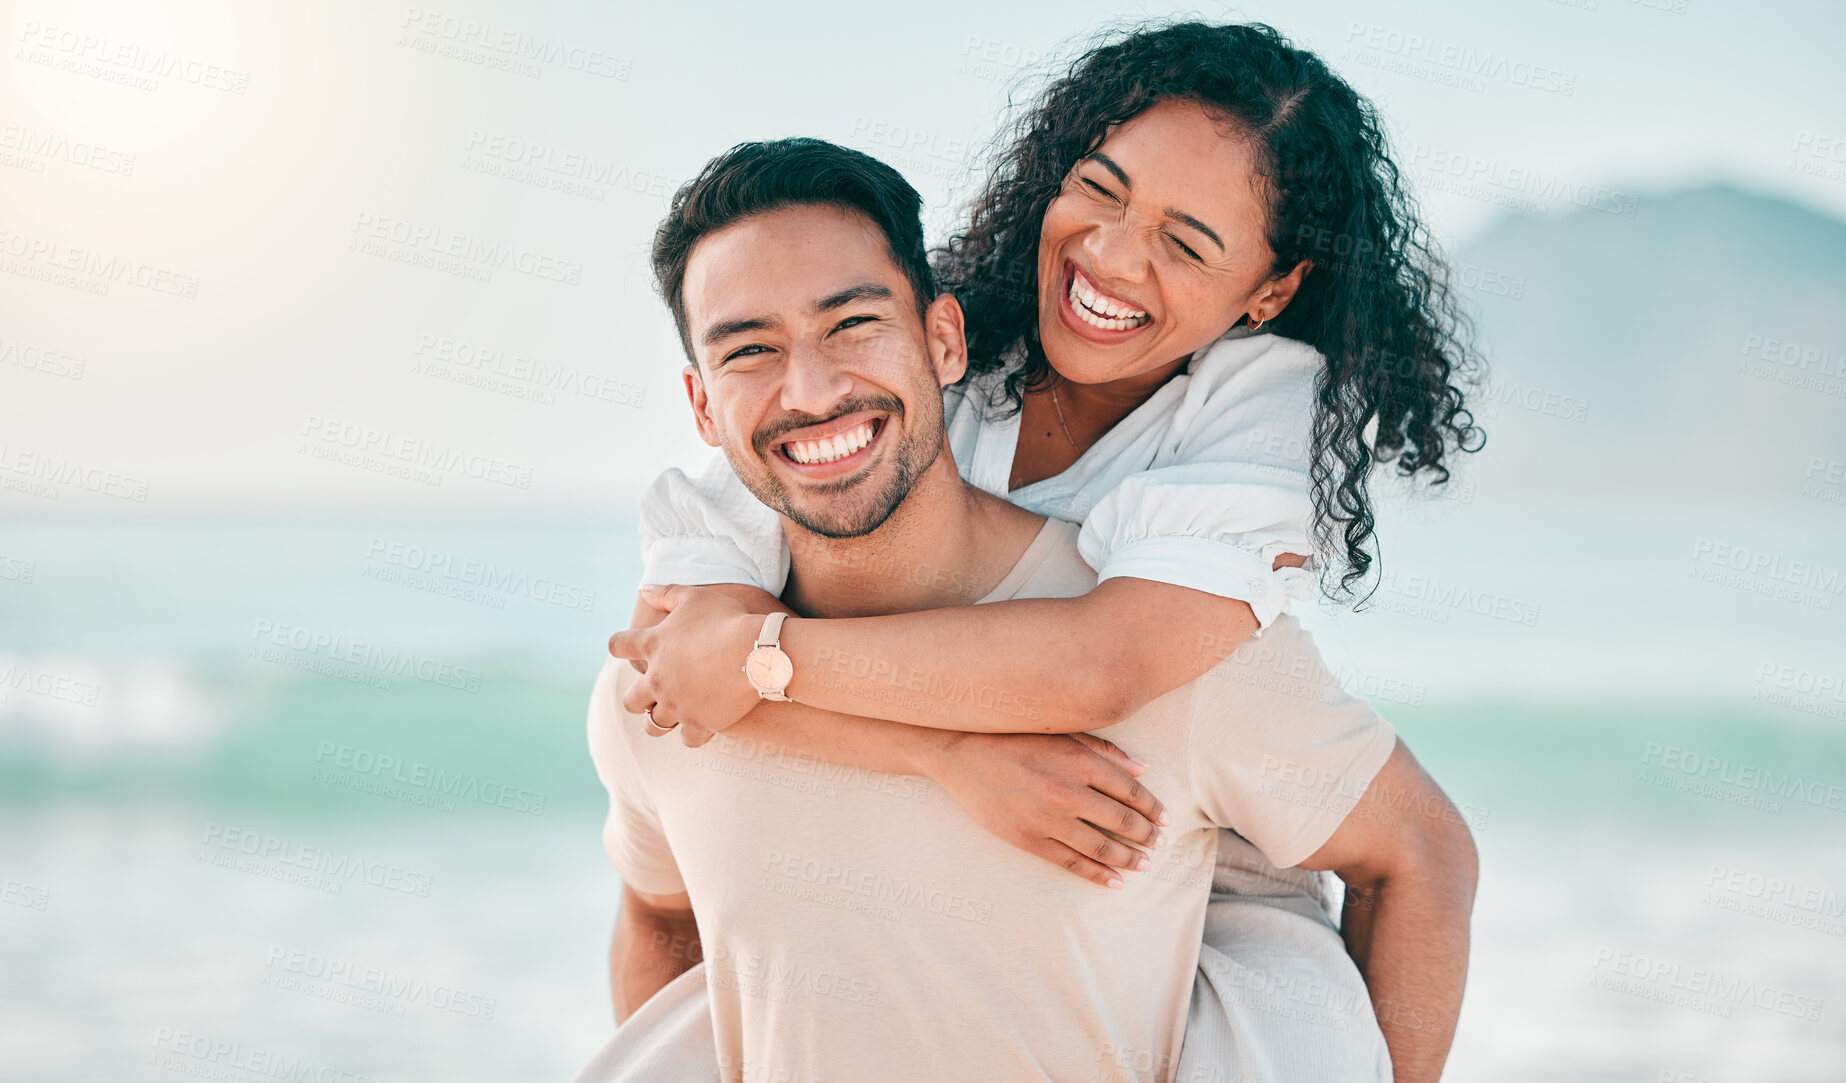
{"x": 771, "y": 635}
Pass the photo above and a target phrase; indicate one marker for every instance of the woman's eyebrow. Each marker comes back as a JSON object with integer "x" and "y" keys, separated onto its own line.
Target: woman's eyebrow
{"x": 1181, "y": 216}
{"x": 1109, "y": 163}
{"x": 1196, "y": 224}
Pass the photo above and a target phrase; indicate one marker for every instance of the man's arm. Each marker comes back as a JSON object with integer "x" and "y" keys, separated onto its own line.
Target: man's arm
{"x": 656, "y": 940}
{"x": 1409, "y": 865}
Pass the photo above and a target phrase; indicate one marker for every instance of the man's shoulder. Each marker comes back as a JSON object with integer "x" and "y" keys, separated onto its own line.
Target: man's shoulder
{"x": 1051, "y": 567}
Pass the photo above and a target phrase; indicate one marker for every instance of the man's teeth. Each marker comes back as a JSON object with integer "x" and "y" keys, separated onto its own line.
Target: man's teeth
{"x": 811, "y": 452}
{"x": 1099, "y": 311}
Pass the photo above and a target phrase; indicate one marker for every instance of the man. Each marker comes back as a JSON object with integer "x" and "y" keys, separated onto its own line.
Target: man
{"x": 874, "y": 931}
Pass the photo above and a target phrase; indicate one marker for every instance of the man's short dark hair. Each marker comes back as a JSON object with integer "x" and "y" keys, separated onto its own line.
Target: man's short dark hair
{"x": 756, "y": 178}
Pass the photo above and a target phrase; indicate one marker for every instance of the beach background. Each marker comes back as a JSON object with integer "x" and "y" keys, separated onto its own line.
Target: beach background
{"x": 292, "y": 765}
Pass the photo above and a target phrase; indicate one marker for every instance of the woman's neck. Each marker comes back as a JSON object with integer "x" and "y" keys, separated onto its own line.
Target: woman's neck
{"x": 1063, "y": 420}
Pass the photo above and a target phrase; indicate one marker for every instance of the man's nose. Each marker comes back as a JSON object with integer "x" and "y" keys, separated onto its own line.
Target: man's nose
{"x": 813, "y": 382}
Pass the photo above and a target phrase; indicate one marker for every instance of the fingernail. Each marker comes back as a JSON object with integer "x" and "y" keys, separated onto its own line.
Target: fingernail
{"x": 1163, "y": 819}
{"x": 1160, "y": 840}
{"x": 1138, "y": 762}
{"x": 1141, "y": 863}
{"x": 1114, "y": 882}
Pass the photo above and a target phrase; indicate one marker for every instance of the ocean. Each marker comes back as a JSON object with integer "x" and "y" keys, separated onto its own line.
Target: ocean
{"x": 285, "y": 797}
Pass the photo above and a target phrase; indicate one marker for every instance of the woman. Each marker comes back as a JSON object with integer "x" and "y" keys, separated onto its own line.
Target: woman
{"x": 1195, "y": 243}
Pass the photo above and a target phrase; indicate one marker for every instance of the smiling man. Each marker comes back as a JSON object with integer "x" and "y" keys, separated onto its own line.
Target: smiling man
{"x": 865, "y": 927}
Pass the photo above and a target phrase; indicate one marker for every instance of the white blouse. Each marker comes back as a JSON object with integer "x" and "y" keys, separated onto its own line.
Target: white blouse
{"x": 1203, "y": 485}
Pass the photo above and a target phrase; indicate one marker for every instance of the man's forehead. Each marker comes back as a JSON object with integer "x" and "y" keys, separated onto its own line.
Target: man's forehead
{"x": 785, "y": 260}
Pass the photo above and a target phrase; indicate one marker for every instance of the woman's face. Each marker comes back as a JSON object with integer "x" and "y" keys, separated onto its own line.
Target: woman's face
{"x": 1154, "y": 247}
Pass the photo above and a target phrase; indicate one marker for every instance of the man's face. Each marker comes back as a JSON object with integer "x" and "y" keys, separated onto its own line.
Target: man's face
{"x": 815, "y": 374}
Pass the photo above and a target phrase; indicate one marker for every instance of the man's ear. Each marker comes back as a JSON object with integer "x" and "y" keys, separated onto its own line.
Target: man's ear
{"x": 701, "y": 405}
{"x": 946, "y": 333}
{"x": 1275, "y": 294}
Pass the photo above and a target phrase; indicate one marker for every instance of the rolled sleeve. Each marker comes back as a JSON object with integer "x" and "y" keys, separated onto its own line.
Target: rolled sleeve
{"x": 1229, "y": 490}
{"x": 710, "y": 529}
{"x": 632, "y": 833}
{"x": 1206, "y": 527}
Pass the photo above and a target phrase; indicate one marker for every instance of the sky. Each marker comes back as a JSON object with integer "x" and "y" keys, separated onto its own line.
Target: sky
{"x": 264, "y": 256}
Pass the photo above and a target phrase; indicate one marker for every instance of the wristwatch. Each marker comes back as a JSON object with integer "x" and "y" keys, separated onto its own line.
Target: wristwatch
{"x": 768, "y": 669}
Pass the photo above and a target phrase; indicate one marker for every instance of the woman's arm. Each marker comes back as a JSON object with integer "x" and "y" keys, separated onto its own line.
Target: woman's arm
{"x": 1040, "y": 665}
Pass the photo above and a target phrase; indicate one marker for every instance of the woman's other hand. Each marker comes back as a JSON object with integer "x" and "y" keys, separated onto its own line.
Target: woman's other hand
{"x": 1051, "y": 794}
{"x": 692, "y": 657}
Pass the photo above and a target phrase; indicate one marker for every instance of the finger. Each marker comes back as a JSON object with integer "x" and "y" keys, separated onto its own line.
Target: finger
{"x": 1108, "y": 780}
{"x": 628, "y": 644}
{"x": 1100, "y": 848}
{"x": 1111, "y": 751}
{"x": 1111, "y": 815}
{"x": 1073, "y": 862}
{"x": 639, "y": 697}
{"x": 694, "y": 734}
{"x": 668, "y": 597}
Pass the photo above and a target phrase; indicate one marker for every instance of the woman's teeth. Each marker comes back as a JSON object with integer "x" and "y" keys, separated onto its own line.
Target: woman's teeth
{"x": 1098, "y": 310}
{"x": 838, "y": 446}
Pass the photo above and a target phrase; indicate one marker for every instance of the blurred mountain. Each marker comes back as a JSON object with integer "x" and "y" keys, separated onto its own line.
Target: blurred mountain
{"x": 1697, "y": 344}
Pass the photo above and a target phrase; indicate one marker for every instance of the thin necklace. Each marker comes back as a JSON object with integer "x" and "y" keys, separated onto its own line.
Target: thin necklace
{"x": 1061, "y": 425}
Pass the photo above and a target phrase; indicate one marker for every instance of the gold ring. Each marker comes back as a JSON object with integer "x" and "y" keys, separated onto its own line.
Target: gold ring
{"x": 655, "y": 729}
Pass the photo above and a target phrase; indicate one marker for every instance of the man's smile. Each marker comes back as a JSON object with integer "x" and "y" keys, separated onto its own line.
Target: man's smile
{"x": 834, "y": 447}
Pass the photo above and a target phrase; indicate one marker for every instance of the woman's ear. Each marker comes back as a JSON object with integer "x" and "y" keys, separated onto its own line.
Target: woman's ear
{"x": 947, "y": 338}
{"x": 1275, "y": 294}
{"x": 701, "y": 404}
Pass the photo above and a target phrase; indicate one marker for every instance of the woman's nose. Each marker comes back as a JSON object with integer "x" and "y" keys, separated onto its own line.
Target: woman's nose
{"x": 1115, "y": 251}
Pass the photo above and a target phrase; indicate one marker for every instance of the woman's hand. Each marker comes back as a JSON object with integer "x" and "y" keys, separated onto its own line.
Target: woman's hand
{"x": 692, "y": 660}
{"x": 1048, "y": 793}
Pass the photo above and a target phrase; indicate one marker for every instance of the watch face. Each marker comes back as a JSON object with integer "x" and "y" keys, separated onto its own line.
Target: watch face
{"x": 769, "y": 669}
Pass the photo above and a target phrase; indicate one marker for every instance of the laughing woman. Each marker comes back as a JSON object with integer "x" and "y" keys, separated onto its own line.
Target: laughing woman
{"x": 1200, "y": 311}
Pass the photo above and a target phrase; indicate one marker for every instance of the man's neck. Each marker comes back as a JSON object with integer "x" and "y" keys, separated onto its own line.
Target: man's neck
{"x": 948, "y": 543}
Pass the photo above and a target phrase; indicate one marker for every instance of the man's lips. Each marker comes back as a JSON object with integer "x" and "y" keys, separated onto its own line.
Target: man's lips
{"x": 843, "y": 442}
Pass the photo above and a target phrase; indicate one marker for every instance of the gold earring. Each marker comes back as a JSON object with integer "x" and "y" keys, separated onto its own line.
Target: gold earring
{"x": 1254, "y": 322}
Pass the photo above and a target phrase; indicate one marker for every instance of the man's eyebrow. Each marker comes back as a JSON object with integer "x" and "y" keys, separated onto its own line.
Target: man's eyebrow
{"x": 1109, "y": 163}
{"x": 864, "y": 291}
{"x": 724, "y": 329}
{"x": 1196, "y": 224}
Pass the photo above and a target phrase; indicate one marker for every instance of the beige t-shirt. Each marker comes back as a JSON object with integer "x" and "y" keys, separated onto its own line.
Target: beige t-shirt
{"x": 860, "y": 926}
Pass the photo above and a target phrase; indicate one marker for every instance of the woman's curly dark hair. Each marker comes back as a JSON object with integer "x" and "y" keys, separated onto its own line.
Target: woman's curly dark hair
{"x": 1376, "y": 304}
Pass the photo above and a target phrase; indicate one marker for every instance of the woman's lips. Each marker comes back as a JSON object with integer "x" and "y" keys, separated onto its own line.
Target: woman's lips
{"x": 1079, "y": 303}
